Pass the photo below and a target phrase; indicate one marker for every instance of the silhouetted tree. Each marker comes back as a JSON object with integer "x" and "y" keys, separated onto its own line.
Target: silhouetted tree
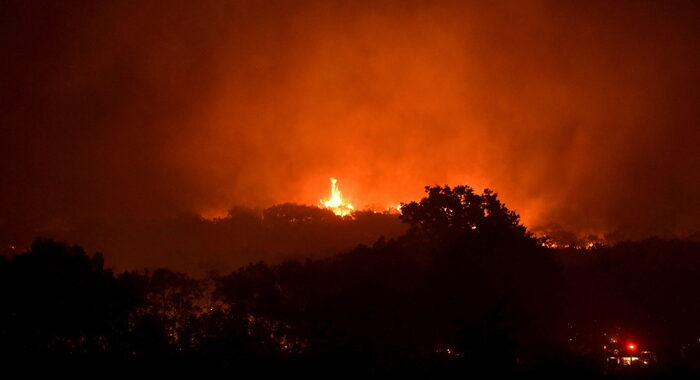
{"x": 448, "y": 212}
{"x": 59, "y": 300}
{"x": 174, "y": 300}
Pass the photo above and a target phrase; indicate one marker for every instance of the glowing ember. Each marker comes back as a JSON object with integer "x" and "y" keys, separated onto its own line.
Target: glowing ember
{"x": 336, "y": 203}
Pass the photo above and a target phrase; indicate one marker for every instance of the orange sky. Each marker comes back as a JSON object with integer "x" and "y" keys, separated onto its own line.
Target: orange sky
{"x": 582, "y": 114}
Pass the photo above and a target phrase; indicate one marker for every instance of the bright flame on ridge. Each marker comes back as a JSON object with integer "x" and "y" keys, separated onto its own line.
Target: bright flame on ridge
{"x": 336, "y": 203}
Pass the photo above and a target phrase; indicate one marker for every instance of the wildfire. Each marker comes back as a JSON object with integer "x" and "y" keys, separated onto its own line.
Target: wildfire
{"x": 336, "y": 202}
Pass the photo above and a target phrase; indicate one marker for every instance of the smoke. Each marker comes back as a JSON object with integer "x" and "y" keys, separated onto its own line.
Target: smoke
{"x": 583, "y": 116}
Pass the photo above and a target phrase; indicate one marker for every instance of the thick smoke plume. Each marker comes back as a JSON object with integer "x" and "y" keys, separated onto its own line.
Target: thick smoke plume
{"x": 582, "y": 115}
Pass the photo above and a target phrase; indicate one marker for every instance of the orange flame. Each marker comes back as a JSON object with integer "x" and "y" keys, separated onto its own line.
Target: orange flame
{"x": 336, "y": 202}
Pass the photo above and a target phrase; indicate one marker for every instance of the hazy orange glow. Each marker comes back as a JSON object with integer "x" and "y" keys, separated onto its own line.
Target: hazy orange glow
{"x": 336, "y": 203}
{"x": 581, "y": 115}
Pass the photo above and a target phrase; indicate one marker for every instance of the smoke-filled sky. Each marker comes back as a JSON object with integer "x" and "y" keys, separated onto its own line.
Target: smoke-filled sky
{"x": 581, "y": 114}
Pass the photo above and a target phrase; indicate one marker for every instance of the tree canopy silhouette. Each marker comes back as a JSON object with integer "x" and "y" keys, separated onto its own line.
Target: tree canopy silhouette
{"x": 446, "y": 213}
{"x": 467, "y": 291}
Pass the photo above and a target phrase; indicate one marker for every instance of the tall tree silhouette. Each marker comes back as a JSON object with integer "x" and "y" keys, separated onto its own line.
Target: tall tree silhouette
{"x": 445, "y": 213}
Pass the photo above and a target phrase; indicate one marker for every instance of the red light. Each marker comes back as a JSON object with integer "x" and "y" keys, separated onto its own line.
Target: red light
{"x": 632, "y": 347}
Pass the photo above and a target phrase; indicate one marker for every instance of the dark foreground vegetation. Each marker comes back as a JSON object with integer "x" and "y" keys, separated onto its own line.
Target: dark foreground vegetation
{"x": 466, "y": 292}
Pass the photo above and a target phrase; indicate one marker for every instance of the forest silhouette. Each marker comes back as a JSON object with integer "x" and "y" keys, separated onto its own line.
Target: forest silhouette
{"x": 466, "y": 291}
